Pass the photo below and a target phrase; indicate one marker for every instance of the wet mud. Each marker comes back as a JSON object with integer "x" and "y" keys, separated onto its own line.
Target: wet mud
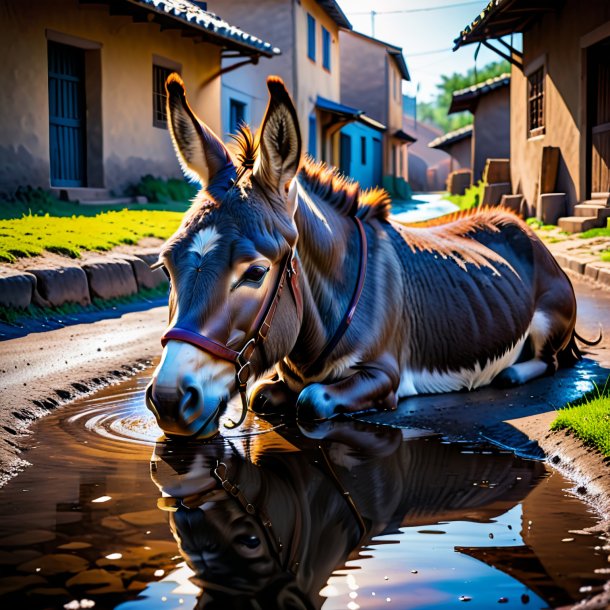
{"x": 345, "y": 514}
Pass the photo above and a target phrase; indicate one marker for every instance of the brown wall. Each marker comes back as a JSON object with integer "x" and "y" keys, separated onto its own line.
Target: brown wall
{"x": 461, "y": 153}
{"x": 558, "y": 41}
{"x": 119, "y": 76}
{"x": 491, "y": 130}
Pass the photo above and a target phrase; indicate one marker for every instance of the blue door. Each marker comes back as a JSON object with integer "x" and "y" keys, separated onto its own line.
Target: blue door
{"x": 377, "y": 162}
{"x": 345, "y": 154}
{"x": 67, "y": 115}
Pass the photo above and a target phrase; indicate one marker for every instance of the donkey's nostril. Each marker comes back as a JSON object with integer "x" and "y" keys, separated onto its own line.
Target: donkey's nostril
{"x": 191, "y": 405}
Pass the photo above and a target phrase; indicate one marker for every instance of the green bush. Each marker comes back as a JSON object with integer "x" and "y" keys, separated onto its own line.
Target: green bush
{"x": 163, "y": 191}
{"x": 471, "y": 198}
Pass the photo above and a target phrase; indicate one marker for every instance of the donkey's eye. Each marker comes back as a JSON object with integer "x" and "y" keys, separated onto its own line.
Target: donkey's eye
{"x": 250, "y": 542}
{"x": 256, "y": 273}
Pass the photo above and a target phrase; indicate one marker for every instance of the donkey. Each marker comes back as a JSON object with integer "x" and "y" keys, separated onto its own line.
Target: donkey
{"x": 371, "y": 310}
{"x": 268, "y": 529}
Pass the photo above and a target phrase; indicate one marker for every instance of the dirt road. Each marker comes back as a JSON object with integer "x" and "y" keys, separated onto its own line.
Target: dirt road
{"x": 40, "y": 371}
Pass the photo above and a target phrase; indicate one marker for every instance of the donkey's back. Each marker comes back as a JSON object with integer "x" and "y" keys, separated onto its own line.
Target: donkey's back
{"x": 483, "y": 299}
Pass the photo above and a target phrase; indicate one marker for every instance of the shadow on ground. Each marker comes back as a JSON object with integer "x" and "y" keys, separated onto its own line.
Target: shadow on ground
{"x": 482, "y": 415}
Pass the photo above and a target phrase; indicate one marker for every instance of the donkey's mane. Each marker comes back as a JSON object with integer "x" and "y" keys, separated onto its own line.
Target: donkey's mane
{"x": 321, "y": 179}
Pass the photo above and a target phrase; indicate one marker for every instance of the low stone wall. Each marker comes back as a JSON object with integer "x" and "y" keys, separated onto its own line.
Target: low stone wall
{"x": 106, "y": 277}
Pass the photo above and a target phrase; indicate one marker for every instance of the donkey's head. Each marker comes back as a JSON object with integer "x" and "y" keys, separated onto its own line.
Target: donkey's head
{"x": 224, "y": 264}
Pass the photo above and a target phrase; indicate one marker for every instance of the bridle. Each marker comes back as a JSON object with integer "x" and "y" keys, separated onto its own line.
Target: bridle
{"x": 287, "y": 561}
{"x": 242, "y": 359}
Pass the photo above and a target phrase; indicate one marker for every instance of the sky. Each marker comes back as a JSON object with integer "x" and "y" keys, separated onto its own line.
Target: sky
{"x": 426, "y": 36}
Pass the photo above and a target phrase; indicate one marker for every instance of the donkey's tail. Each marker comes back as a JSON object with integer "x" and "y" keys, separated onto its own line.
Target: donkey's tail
{"x": 588, "y": 341}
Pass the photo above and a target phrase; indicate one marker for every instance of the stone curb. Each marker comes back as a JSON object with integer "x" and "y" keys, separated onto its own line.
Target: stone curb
{"x": 109, "y": 276}
{"x": 590, "y": 268}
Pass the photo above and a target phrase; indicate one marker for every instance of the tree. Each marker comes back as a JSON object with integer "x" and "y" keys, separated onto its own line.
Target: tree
{"x": 436, "y": 111}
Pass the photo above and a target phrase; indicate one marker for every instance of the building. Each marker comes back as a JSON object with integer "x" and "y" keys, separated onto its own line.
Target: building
{"x": 83, "y": 97}
{"x": 372, "y": 72}
{"x": 560, "y": 113}
{"x": 458, "y": 145}
{"x": 428, "y": 167}
{"x": 307, "y": 32}
{"x": 489, "y": 103}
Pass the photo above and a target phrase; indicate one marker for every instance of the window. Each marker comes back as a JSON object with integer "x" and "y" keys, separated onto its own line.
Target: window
{"x": 311, "y": 37}
{"x": 237, "y": 114}
{"x": 536, "y": 102}
{"x": 160, "y": 75}
{"x": 326, "y": 49}
{"x": 362, "y": 150}
{"x": 312, "y": 143}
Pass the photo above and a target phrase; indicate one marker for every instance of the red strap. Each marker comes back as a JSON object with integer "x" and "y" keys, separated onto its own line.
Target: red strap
{"x": 207, "y": 345}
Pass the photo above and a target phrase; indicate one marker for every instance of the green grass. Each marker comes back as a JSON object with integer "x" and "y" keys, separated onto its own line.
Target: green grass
{"x": 470, "y": 199}
{"x": 32, "y": 235}
{"x": 33, "y": 312}
{"x": 601, "y": 232}
{"x": 538, "y": 226}
{"x": 589, "y": 420}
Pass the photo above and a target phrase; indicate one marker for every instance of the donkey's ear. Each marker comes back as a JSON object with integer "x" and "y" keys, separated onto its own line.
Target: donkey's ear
{"x": 280, "y": 140}
{"x": 202, "y": 155}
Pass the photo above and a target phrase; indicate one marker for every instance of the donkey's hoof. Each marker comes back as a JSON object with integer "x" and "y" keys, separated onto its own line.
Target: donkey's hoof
{"x": 508, "y": 378}
{"x": 315, "y": 403}
{"x": 271, "y": 398}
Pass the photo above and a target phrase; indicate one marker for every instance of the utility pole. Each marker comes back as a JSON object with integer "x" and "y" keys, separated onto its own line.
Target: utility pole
{"x": 373, "y": 13}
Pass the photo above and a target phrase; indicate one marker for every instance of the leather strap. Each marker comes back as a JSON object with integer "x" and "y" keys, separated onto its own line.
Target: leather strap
{"x": 204, "y": 343}
{"x": 351, "y": 310}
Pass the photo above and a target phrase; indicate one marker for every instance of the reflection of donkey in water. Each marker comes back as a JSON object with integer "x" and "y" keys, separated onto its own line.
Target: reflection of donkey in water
{"x": 457, "y": 303}
{"x": 314, "y": 526}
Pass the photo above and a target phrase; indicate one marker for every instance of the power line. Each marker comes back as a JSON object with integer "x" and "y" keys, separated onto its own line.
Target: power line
{"x": 428, "y": 52}
{"x": 416, "y": 10}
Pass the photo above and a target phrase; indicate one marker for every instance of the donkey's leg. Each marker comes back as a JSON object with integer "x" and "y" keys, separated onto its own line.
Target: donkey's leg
{"x": 549, "y": 332}
{"x": 373, "y": 386}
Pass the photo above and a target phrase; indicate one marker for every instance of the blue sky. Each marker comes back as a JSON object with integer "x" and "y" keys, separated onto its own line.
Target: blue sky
{"x": 426, "y": 36}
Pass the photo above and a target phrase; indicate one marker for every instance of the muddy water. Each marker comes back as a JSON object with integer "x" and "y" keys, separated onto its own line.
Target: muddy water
{"x": 360, "y": 517}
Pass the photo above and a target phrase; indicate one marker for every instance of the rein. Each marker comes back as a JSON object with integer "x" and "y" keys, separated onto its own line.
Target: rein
{"x": 241, "y": 359}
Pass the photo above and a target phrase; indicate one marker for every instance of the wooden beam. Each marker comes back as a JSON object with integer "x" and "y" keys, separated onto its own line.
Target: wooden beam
{"x": 508, "y": 58}
{"x": 511, "y": 50}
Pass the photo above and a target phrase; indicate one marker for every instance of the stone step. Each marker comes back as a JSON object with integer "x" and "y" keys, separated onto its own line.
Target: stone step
{"x": 578, "y": 224}
{"x": 115, "y": 201}
{"x": 590, "y": 209}
{"x": 82, "y": 194}
{"x": 604, "y": 197}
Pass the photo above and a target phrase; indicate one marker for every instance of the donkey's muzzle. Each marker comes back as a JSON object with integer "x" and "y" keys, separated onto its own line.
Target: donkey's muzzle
{"x": 186, "y": 414}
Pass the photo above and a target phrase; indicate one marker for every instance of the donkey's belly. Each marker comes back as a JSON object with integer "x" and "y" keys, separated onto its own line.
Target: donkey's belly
{"x": 425, "y": 381}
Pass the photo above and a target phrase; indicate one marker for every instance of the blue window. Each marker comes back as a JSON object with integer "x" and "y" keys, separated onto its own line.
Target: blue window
{"x": 237, "y": 114}
{"x": 311, "y": 37}
{"x": 313, "y": 140}
{"x": 326, "y": 48}
{"x": 363, "y": 150}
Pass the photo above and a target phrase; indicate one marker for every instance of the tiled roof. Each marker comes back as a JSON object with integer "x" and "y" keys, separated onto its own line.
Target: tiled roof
{"x": 502, "y": 17}
{"x": 466, "y": 99}
{"x": 451, "y": 138}
{"x": 210, "y": 25}
{"x": 336, "y": 14}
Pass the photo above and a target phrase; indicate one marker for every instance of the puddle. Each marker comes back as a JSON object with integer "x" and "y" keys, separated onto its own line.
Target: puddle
{"x": 361, "y": 517}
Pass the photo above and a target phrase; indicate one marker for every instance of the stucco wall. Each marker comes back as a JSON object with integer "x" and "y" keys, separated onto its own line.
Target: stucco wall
{"x": 131, "y": 146}
{"x": 272, "y": 21}
{"x": 556, "y": 42}
{"x": 364, "y": 76}
{"x": 491, "y": 131}
{"x": 284, "y": 24}
{"x": 461, "y": 153}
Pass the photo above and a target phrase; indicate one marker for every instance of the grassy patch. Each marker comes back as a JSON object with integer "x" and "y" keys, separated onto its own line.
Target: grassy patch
{"x": 600, "y": 232}
{"x": 589, "y": 420}
{"x": 538, "y": 226}
{"x": 605, "y": 256}
{"x": 28, "y": 201}
{"x": 31, "y": 235}
{"x": 470, "y": 199}
{"x": 33, "y": 312}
